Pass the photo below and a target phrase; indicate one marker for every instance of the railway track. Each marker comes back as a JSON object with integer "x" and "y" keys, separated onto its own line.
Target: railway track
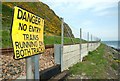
{"x": 6, "y": 50}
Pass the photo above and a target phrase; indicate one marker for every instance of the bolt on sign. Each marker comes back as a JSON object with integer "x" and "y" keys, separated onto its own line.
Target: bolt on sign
{"x": 27, "y": 33}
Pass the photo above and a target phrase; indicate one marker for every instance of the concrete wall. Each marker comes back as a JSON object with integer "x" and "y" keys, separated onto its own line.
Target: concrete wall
{"x": 72, "y": 54}
{"x": 85, "y": 49}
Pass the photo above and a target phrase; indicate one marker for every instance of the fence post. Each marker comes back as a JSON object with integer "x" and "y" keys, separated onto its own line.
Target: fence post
{"x": 94, "y": 41}
{"x": 62, "y": 42}
{"x": 88, "y": 41}
{"x": 91, "y": 40}
{"x": 80, "y": 44}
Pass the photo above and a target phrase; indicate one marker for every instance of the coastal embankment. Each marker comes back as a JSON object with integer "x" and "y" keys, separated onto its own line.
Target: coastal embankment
{"x": 99, "y": 64}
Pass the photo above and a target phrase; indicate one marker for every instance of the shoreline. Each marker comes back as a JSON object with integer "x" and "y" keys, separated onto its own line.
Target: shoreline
{"x": 118, "y": 50}
{"x": 115, "y": 49}
{"x": 112, "y": 44}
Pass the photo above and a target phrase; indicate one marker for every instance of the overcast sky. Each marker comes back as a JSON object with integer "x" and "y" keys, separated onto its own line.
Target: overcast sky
{"x": 98, "y": 17}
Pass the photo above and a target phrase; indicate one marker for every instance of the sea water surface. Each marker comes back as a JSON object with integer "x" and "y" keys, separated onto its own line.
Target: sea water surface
{"x": 115, "y": 44}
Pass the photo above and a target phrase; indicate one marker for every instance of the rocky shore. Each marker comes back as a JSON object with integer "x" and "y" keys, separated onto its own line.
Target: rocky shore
{"x": 116, "y": 49}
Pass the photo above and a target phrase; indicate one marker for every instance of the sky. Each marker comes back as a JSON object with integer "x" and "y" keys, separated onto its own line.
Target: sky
{"x": 98, "y": 17}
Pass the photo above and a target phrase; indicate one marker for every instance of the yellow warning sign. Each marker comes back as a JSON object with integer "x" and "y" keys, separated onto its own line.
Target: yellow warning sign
{"x": 27, "y": 33}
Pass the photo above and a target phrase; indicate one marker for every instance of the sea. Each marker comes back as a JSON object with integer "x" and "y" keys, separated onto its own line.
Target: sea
{"x": 114, "y": 44}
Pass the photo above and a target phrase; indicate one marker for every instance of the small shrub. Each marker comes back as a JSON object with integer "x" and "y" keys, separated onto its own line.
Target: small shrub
{"x": 85, "y": 58}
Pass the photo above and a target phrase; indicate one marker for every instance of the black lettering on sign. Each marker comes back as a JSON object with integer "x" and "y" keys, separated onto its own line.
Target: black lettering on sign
{"x": 27, "y": 44}
{"x": 27, "y": 51}
{"x": 20, "y": 13}
{"x": 25, "y": 36}
{"x": 17, "y": 54}
{"x": 33, "y": 37}
{"x": 39, "y": 20}
{"x": 40, "y": 43}
{"x": 22, "y": 53}
{"x": 28, "y": 17}
{"x": 24, "y": 17}
{"x": 17, "y": 45}
{"x": 37, "y": 50}
{"x": 37, "y": 38}
{"x": 33, "y": 50}
{"x": 30, "y": 37}
{"x": 22, "y": 26}
{"x": 33, "y": 19}
{"x": 34, "y": 29}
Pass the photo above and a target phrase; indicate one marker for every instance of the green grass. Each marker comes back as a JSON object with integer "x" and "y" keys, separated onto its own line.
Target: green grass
{"x": 7, "y": 14}
{"x": 5, "y": 39}
{"x": 93, "y": 66}
{"x": 48, "y": 40}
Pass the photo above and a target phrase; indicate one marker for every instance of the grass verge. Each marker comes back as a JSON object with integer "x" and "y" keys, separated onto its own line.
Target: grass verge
{"x": 97, "y": 65}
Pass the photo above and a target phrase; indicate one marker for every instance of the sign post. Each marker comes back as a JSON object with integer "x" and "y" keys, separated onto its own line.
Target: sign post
{"x": 29, "y": 72}
{"x": 36, "y": 67}
{"x": 27, "y": 38}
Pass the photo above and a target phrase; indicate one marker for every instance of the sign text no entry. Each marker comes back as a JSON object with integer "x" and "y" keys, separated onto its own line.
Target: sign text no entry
{"x": 27, "y": 33}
